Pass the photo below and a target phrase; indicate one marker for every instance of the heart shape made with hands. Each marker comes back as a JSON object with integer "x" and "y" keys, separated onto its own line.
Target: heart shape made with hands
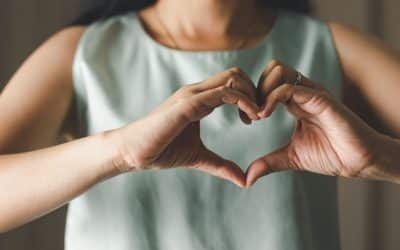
{"x": 269, "y": 90}
{"x": 327, "y": 139}
{"x": 172, "y": 131}
{"x": 275, "y": 85}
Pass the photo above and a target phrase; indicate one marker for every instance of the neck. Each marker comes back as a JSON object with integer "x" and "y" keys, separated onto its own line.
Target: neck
{"x": 213, "y": 17}
{"x": 210, "y": 20}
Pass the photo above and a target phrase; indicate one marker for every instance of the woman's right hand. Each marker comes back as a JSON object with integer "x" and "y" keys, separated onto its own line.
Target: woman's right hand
{"x": 170, "y": 135}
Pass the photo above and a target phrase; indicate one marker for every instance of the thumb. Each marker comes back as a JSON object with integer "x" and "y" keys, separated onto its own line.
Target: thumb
{"x": 273, "y": 162}
{"x": 214, "y": 164}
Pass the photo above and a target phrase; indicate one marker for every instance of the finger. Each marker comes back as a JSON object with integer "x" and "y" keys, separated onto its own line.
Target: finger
{"x": 250, "y": 84}
{"x": 210, "y": 99}
{"x": 270, "y": 81}
{"x": 253, "y": 96}
{"x": 222, "y": 78}
{"x": 273, "y": 162}
{"x": 217, "y": 166}
{"x": 288, "y": 74}
{"x": 301, "y": 101}
{"x": 233, "y": 78}
{"x": 276, "y": 74}
{"x": 244, "y": 103}
{"x": 267, "y": 71}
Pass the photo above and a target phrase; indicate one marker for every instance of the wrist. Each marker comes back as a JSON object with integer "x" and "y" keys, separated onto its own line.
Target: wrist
{"x": 112, "y": 144}
{"x": 386, "y": 160}
{"x": 137, "y": 144}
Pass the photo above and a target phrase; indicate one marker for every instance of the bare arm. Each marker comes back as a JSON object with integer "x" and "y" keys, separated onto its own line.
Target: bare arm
{"x": 35, "y": 183}
{"x": 34, "y": 108}
{"x": 37, "y": 177}
{"x": 373, "y": 69}
{"x": 330, "y": 139}
{"x": 36, "y": 102}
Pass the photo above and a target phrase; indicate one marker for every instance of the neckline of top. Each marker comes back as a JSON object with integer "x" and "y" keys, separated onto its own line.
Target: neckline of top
{"x": 228, "y": 52}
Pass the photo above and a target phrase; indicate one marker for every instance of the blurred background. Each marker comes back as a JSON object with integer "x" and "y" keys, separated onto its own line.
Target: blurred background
{"x": 369, "y": 211}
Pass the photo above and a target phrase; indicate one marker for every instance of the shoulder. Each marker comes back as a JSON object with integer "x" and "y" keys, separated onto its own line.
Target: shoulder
{"x": 69, "y": 35}
{"x": 353, "y": 41}
{"x": 344, "y": 34}
{"x": 55, "y": 55}
{"x": 108, "y": 36}
{"x": 354, "y": 46}
{"x": 64, "y": 42}
{"x": 57, "y": 52}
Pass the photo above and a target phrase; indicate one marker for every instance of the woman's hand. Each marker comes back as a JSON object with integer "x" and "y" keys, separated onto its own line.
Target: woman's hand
{"x": 328, "y": 138}
{"x": 170, "y": 135}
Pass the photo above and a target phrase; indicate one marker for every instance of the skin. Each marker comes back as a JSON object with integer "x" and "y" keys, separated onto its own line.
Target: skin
{"x": 328, "y": 138}
{"x": 40, "y": 172}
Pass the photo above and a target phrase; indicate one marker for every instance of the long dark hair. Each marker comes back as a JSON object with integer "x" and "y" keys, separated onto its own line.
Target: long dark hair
{"x": 101, "y": 9}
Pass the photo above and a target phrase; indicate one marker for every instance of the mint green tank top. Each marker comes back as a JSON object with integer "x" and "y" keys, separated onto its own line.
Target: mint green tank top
{"x": 120, "y": 74}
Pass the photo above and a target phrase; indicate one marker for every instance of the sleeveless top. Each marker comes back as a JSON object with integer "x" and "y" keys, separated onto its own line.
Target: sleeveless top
{"x": 120, "y": 73}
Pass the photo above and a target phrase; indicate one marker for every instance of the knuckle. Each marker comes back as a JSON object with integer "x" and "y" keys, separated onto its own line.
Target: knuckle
{"x": 287, "y": 86}
{"x": 273, "y": 96}
{"x": 236, "y": 70}
{"x": 280, "y": 69}
{"x": 233, "y": 73}
{"x": 233, "y": 81}
{"x": 273, "y": 63}
{"x": 186, "y": 90}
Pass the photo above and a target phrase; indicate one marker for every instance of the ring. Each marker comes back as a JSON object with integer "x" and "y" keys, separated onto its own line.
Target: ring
{"x": 299, "y": 79}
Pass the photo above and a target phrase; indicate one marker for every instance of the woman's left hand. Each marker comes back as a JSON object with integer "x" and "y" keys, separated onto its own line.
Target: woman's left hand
{"x": 327, "y": 139}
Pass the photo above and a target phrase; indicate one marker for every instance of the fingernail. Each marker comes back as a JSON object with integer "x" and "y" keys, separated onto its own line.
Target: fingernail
{"x": 261, "y": 114}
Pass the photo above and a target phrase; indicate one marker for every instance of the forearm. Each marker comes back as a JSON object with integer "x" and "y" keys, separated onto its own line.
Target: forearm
{"x": 35, "y": 183}
{"x": 386, "y": 164}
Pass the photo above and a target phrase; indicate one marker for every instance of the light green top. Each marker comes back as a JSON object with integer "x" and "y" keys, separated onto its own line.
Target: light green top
{"x": 120, "y": 74}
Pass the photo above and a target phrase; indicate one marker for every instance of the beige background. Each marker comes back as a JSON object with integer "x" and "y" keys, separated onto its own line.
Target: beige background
{"x": 369, "y": 211}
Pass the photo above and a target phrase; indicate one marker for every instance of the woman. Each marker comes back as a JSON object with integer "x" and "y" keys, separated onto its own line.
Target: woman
{"x": 135, "y": 88}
